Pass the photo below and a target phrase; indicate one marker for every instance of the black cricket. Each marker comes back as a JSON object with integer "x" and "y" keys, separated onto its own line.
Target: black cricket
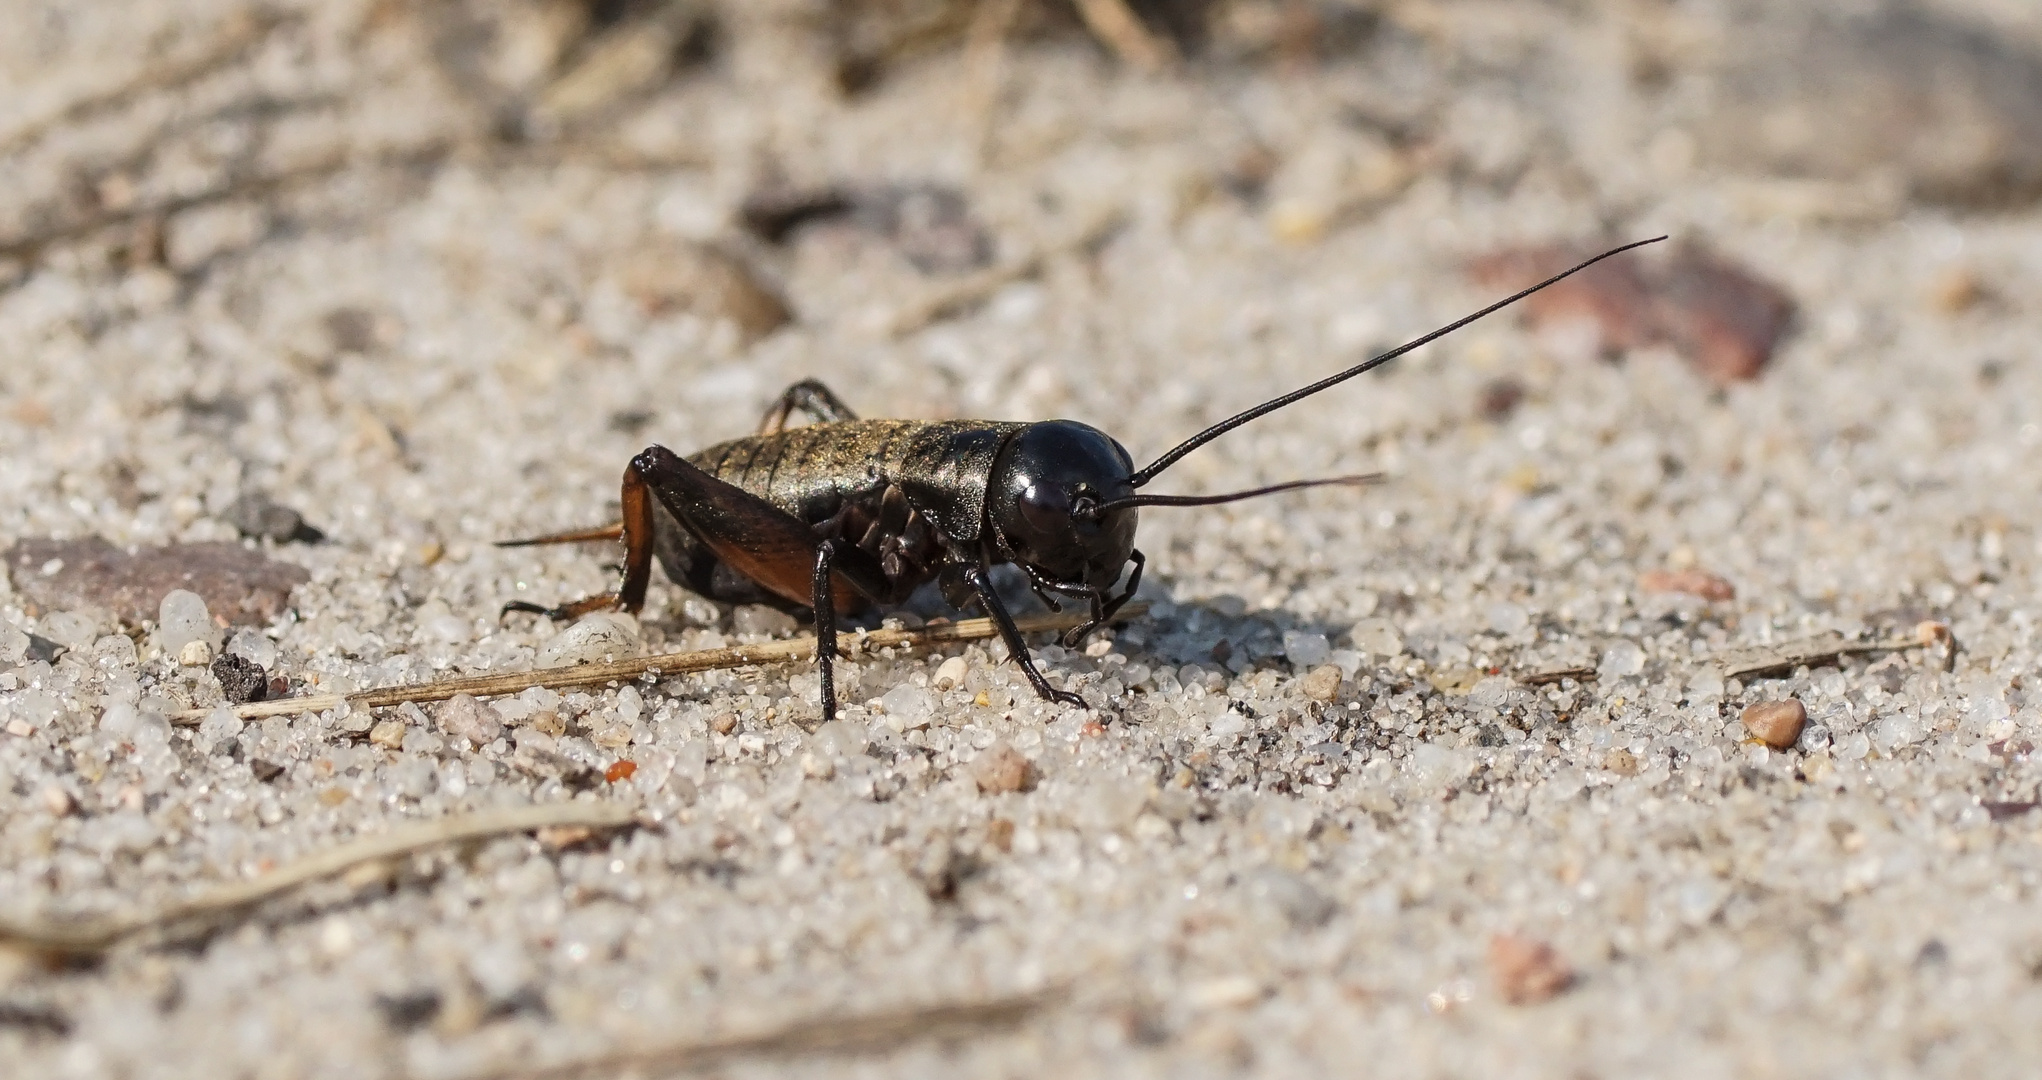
{"x": 843, "y": 512}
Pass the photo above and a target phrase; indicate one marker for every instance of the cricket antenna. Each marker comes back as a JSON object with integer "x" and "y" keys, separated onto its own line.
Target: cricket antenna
{"x": 1149, "y": 471}
{"x": 1356, "y": 480}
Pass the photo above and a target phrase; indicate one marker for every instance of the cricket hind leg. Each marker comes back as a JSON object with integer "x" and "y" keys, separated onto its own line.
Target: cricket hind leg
{"x": 811, "y": 397}
{"x": 638, "y": 531}
{"x": 770, "y": 547}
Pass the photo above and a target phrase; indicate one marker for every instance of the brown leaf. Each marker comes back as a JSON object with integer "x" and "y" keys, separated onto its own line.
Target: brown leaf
{"x": 239, "y": 584}
{"x": 1720, "y": 317}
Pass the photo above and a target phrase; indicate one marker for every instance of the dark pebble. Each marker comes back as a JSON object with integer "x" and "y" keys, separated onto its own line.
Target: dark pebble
{"x": 43, "y": 649}
{"x": 259, "y": 518}
{"x": 409, "y": 1011}
{"x": 931, "y": 225}
{"x": 242, "y": 680}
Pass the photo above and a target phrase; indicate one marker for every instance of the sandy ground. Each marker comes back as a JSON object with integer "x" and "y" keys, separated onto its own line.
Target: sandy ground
{"x": 430, "y": 274}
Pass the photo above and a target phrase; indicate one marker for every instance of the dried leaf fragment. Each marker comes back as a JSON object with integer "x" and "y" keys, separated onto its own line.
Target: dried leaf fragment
{"x": 241, "y": 585}
{"x": 1692, "y": 582}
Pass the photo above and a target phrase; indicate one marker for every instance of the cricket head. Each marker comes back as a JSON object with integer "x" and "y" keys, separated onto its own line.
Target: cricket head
{"x": 1050, "y": 502}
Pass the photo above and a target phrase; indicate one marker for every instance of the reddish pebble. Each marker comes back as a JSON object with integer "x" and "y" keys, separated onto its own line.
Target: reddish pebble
{"x": 620, "y": 771}
{"x": 1776, "y": 723}
{"x": 1724, "y": 320}
{"x": 1692, "y": 582}
{"x": 1527, "y": 971}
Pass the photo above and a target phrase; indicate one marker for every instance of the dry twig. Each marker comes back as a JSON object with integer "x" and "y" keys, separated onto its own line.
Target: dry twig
{"x": 242, "y": 30}
{"x": 1811, "y": 653}
{"x": 1113, "y": 22}
{"x": 974, "y": 289}
{"x": 1544, "y": 678}
{"x": 985, "y": 58}
{"x": 91, "y": 935}
{"x": 264, "y": 185}
{"x": 678, "y": 663}
{"x": 869, "y": 1033}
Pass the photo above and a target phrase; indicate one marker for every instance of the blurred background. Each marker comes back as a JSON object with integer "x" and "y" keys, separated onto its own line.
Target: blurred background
{"x": 603, "y": 220}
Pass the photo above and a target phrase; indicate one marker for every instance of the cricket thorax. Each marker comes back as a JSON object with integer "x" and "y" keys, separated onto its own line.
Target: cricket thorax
{"x": 819, "y": 471}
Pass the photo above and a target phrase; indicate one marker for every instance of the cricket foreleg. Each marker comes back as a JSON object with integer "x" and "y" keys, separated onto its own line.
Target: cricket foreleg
{"x": 1011, "y": 634}
{"x": 824, "y": 602}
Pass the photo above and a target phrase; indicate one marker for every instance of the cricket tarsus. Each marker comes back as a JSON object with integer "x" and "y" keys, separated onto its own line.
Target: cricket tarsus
{"x": 565, "y": 612}
{"x": 845, "y": 513}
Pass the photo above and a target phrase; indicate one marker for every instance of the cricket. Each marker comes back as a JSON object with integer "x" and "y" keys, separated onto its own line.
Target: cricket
{"x": 842, "y": 513}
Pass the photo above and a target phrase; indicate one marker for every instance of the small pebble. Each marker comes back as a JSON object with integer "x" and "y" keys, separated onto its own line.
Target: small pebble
{"x": 1377, "y": 637}
{"x": 1527, "y": 971}
{"x": 619, "y": 771}
{"x": 1305, "y": 650}
{"x": 71, "y": 629}
{"x": 907, "y": 707}
{"x": 1776, "y": 723}
{"x": 182, "y": 619}
{"x": 195, "y": 654}
{"x": 58, "y": 801}
{"x": 599, "y": 638}
{"x": 14, "y": 643}
{"x": 388, "y": 733}
{"x": 463, "y": 717}
{"x": 1000, "y": 769}
{"x": 254, "y": 646}
{"x": 42, "y": 649}
{"x": 1323, "y": 684}
{"x": 255, "y": 515}
{"x": 1500, "y": 398}
{"x": 950, "y": 673}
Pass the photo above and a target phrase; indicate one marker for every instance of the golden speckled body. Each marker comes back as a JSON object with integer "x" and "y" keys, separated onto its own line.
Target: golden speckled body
{"x": 911, "y": 492}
